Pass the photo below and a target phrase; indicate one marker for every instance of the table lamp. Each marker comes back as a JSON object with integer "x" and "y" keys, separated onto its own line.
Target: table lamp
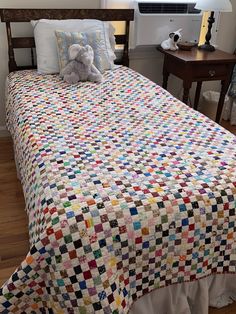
{"x": 213, "y": 6}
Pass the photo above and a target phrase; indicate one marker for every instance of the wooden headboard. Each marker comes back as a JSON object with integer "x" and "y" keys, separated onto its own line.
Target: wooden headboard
{"x": 26, "y": 15}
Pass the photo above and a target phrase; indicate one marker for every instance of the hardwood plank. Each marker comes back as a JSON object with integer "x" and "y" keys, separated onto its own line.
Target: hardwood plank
{"x": 11, "y": 250}
{"x": 12, "y": 262}
{"x": 14, "y": 240}
{"x": 225, "y": 310}
{"x": 14, "y": 228}
{"x": 231, "y": 128}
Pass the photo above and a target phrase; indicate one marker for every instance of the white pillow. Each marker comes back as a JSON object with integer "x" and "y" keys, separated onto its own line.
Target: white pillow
{"x": 46, "y": 45}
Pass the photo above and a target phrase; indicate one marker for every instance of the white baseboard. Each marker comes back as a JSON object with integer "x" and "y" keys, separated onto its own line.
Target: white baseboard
{"x": 4, "y": 132}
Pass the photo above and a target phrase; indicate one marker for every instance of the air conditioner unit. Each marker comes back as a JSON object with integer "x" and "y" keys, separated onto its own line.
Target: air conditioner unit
{"x": 155, "y": 19}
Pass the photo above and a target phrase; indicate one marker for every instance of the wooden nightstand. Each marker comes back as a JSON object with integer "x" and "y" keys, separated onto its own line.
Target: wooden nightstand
{"x": 198, "y": 66}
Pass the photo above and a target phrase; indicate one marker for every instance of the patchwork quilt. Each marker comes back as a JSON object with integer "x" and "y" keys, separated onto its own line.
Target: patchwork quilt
{"x": 127, "y": 190}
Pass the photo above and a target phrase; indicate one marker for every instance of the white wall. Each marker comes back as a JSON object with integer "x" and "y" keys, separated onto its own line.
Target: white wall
{"x": 26, "y": 29}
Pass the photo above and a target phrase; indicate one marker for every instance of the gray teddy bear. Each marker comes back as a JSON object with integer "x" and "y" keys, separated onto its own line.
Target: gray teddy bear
{"x": 80, "y": 66}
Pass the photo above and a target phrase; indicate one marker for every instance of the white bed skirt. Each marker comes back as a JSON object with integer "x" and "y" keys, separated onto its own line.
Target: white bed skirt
{"x": 190, "y": 297}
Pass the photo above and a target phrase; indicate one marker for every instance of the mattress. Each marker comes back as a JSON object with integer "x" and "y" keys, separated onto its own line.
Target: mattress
{"x": 127, "y": 190}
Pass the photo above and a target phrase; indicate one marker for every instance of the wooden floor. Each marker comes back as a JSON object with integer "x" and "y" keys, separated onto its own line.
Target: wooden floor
{"x": 13, "y": 220}
{"x": 14, "y": 243}
{"x": 231, "y": 128}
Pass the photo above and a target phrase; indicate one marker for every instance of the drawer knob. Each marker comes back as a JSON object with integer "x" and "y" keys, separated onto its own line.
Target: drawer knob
{"x": 212, "y": 73}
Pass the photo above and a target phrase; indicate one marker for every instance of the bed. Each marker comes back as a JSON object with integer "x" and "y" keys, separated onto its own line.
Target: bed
{"x": 130, "y": 194}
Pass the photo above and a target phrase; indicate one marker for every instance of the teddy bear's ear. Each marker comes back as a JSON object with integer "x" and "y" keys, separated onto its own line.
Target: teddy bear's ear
{"x": 73, "y": 51}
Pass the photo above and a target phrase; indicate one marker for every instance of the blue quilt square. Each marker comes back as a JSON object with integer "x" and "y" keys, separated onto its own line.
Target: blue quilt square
{"x": 137, "y": 225}
{"x": 82, "y": 285}
{"x": 185, "y": 222}
{"x": 133, "y": 211}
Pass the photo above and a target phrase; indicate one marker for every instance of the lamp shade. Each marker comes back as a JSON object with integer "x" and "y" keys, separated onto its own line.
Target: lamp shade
{"x": 214, "y": 5}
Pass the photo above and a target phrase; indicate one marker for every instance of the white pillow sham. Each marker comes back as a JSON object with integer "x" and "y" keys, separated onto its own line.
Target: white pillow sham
{"x": 46, "y": 45}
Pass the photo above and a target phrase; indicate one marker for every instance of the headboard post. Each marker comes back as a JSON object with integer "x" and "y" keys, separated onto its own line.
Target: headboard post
{"x": 126, "y": 46}
{"x": 12, "y": 62}
{"x": 32, "y": 56}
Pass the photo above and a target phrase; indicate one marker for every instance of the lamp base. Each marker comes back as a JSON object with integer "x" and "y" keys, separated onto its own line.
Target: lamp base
{"x": 207, "y": 47}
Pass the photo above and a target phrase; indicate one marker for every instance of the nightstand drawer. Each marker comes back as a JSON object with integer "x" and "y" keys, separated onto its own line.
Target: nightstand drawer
{"x": 210, "y": 71}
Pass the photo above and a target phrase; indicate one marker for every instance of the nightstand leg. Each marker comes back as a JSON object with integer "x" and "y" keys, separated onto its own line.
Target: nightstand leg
{"x": 224, "y": 89}
{"x": 165, "y": 78}
{"x": 197, "y": 95}
{"x": 187, "y": 86}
